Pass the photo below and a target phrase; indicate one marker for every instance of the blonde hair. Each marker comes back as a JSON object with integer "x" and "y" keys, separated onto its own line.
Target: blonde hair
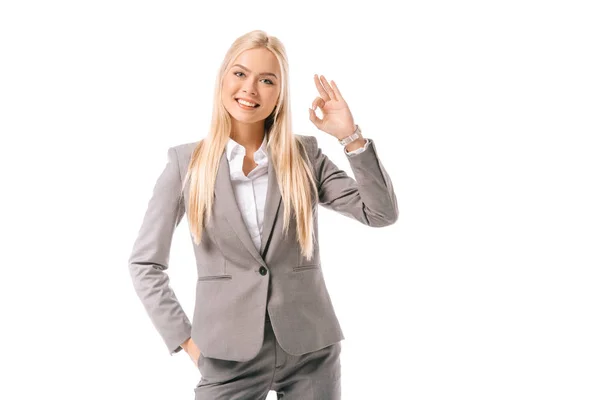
{"x": 293, "y": 172}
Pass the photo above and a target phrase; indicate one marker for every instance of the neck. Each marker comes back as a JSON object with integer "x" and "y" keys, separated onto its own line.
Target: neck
{"x": 248, "y": 135}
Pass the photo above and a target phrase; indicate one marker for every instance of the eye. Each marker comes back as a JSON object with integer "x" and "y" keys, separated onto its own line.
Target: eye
{"x": 239, "y": 72}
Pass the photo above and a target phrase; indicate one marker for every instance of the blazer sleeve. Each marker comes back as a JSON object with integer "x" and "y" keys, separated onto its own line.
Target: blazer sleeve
{"x": 370, "y": 199}
{"x": 150, "y": 257}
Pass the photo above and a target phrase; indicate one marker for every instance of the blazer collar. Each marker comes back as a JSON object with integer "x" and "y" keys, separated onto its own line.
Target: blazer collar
{"x": 225, "y": 196}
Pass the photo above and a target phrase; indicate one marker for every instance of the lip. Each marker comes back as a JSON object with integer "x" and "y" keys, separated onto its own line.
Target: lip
{"x": 247, "y": 99}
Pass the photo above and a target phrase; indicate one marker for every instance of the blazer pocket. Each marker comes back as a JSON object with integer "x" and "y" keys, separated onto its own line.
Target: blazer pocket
{"x": 305, "y": 267}
{"x": 214, "y": 277}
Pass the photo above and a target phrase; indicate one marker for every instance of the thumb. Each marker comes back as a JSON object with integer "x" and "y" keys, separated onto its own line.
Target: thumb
{"x": 313, "y": 117}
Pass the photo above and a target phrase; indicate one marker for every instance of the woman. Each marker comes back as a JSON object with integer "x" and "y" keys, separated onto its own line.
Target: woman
{"x": 263, "y": 319}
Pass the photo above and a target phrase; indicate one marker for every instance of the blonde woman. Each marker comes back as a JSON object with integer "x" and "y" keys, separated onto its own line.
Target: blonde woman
{"x": 263, "y": 319}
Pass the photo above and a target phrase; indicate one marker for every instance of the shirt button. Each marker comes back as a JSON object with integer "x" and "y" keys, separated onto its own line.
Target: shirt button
{"x": 262, "y": 270}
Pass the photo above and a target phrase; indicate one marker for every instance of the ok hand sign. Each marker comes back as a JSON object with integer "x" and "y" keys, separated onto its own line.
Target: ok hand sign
{"x": 337, "y": 118}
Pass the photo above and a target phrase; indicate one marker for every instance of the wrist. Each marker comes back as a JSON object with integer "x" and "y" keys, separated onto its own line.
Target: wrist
{"x": 353, "y": 141}
{"x": 185, "y": 344}
{"x": 347, "y": 134}
{"x": 356, "y": 144}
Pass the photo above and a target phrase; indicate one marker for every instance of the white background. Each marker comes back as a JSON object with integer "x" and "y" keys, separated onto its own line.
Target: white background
{"x": 485, "y": 115}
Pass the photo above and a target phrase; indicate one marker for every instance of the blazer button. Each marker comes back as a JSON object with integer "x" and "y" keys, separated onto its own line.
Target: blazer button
{"x": 262, "y": 270}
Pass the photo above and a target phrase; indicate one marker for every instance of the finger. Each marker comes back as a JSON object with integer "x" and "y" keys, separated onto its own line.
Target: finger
{"x": 320, "y": 88}
{"x": 314, "y": 119}
{"x": 328, "y": 88}
{"x": 318, "y": 102}
{"x": 336, "y": 90}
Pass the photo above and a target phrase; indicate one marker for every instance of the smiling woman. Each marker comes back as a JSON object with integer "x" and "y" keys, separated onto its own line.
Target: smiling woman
{"x": 252, "y": 79}
{"x": 252, "y": 188}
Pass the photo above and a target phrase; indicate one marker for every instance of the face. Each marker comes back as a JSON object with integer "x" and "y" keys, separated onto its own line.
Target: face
{"x": 253, "y": 76}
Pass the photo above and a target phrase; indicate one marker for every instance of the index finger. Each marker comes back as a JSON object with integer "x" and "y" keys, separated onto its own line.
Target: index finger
{"x": 336, "y": 90}
{"x": 320, "y": 88}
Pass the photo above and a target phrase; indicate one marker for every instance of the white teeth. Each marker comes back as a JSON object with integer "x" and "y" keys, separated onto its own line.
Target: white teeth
{"x": 246, "y": 103}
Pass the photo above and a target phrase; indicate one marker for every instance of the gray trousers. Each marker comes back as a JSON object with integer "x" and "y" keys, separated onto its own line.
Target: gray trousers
{"x": 311, "y": 376}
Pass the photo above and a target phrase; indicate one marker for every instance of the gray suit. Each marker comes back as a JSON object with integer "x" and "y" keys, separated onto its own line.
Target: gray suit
{"x": 237, "y": 284}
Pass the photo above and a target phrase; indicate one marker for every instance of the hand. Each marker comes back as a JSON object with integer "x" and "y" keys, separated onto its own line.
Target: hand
{"x": 193, "y": 351}
{"x": 337, "y": 118}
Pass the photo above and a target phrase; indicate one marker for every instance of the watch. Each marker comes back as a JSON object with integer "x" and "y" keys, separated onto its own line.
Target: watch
{"x": 351, "y": 138}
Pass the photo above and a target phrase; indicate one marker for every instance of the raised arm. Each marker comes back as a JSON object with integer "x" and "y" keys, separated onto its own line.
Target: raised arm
{"x": 369, "y": 199}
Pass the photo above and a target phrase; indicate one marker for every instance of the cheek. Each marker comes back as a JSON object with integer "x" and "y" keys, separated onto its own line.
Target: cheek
{"x": 228, "y": 88}
{"x": 272, "y": 99}
{"x": 224, "y": 99}
{"x": 227, "y": 96}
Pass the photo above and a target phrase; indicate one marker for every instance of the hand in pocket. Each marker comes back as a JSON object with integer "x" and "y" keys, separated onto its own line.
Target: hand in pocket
{"x": 192, "y": 350}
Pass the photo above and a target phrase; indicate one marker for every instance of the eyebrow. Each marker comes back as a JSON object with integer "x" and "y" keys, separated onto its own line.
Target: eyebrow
{"x": 262, "y": 73}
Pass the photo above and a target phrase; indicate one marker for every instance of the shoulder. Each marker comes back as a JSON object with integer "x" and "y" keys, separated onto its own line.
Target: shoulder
{"x": 185, "y": 150}
{"x": 308, "y": 141}
{"x": 182, "y": 154}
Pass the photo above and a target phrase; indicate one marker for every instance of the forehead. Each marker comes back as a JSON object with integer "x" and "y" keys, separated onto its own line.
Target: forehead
{"x": 258, "y": 61}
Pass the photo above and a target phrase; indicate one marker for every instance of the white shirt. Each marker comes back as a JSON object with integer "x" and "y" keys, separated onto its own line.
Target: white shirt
{"x": 251, "y": 191}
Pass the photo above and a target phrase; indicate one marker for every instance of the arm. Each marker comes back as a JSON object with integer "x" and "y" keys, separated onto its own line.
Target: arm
{"x": 150, "y": 257}
{"x": 370, "y": 199}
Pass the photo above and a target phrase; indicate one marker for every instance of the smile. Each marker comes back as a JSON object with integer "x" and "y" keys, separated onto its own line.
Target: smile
{"x": 247, "y": 105}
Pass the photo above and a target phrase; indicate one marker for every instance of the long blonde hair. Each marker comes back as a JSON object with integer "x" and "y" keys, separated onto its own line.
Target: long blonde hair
{"x": 294, "y": 175}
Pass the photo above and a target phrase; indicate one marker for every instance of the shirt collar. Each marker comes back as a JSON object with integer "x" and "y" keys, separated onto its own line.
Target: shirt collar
{"x": 234, "y": 148}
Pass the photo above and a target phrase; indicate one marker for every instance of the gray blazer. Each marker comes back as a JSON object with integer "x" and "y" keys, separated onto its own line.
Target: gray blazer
{"x": 236, "y": 283}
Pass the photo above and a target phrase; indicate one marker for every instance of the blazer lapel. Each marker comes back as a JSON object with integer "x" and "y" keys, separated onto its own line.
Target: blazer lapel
{"x": 272, "y": 204}
{"x": 225, "y": 197}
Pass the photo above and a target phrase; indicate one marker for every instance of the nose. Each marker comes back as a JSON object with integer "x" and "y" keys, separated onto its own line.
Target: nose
{"x": 249, "y": 87}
